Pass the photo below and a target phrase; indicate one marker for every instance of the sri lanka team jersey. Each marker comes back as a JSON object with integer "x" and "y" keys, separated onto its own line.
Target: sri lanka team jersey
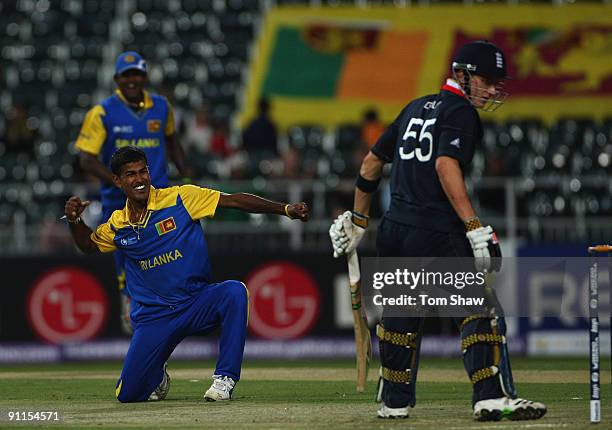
{"x": 166, "y": 253}
{"x": 113, "y": 124}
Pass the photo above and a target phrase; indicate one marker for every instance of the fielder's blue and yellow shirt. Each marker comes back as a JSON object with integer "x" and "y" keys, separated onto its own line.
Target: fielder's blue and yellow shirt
{"x": 166, "y": 254}
{"x": 113, "y": 124}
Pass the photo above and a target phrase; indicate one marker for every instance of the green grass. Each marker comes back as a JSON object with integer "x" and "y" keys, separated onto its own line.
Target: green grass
{"x": 565, "y": 363}
{"x": 86, "y": 398}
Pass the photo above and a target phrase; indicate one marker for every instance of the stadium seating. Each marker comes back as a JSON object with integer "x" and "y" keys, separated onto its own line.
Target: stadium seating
{"x": 56, "y": 60}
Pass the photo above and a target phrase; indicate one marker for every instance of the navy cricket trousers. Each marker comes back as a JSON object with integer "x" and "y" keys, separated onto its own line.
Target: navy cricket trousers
{"x": 399, "y": 240}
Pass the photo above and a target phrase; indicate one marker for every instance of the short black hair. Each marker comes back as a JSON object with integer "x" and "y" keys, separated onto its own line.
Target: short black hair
{"x": 125, "y": 155}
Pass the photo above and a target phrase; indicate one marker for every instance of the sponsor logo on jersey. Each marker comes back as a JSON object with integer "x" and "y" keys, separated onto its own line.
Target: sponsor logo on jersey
{"x": 165, "y": 226}
{"x": 160, "y": 260}
{"x": 456, "y": 143}
{"x": 432, "y": 104}
{"x": 153, "y": 125}
{"x": 123, "y": 129}
{"x": 126, "y": 241}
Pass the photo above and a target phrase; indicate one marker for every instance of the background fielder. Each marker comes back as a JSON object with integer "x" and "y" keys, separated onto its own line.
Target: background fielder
{"x": 130, "y": 117}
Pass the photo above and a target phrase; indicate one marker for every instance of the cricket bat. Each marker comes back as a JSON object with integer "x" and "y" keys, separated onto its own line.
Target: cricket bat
{"x": 363, "y": 341}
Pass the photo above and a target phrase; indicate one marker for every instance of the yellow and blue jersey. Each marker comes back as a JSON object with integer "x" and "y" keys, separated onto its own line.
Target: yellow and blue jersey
{"x": 112, "y": 124}
{"x": 167, "y": 260}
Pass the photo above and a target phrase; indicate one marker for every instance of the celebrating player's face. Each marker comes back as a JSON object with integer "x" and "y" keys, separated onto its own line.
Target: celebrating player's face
{"x": 135, "y": 181}
{"x": 131, "y": 84}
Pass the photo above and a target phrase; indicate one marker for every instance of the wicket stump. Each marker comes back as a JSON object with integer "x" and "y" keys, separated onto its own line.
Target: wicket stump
{"x": 594, "y": 350}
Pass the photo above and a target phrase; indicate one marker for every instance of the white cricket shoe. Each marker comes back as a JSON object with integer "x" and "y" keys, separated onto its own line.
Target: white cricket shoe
{"x": 512, "y": 409}
{"x": 386, "y": 412}
{"x": 162, "y": 389}
{"x": 221, "y": 389}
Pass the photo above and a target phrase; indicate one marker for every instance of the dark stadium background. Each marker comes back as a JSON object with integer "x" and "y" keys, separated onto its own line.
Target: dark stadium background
{"x": 545, "y": 188}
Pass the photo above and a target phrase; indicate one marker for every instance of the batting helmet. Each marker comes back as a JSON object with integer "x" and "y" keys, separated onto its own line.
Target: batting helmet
{"x": 484, "y": 59}
{"x": 481, "y": 58}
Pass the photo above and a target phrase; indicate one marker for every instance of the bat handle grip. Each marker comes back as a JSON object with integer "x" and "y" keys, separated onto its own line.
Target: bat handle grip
{"x": 353, "y": 268}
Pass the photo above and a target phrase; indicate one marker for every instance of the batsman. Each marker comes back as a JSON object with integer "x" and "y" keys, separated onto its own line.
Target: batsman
{"x": 430, "y": 145}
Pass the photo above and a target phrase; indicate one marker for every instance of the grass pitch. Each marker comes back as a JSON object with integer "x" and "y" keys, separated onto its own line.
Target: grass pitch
{"x": 291, "y": 395}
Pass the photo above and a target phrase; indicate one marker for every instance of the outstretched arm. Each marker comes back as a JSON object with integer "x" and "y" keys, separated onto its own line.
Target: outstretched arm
{"x": 258, "y": 205}
{"x": 80, "y": 232}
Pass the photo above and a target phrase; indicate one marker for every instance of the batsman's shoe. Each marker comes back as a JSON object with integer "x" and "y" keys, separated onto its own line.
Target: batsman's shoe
{"x": 162, "y": 389}
{"x": 386, "y": 412}
{"x": 512, "y": 409}
{"x": 221, "y": 389}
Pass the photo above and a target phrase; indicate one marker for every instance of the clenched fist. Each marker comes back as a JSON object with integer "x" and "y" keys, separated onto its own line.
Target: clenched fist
{"x": 74, "y": 208}
{"x": 298, "y": 211}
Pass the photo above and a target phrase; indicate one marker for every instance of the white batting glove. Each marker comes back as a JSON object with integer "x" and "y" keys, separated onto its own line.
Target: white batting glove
{"x": 338, "y": 237}
{"x": 485, "y": 245}
{"x": 345, "y": 235}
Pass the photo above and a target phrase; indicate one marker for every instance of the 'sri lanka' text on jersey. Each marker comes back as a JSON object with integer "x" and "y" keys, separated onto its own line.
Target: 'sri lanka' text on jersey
{"x": 166, "y": 253}
{"x": 113, "y": 124}
{"x": 158, "y": 260}
{"x": 443, "y": 124}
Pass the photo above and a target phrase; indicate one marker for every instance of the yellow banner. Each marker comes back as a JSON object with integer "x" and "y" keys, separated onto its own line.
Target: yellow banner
{"x": 560, "y": 59}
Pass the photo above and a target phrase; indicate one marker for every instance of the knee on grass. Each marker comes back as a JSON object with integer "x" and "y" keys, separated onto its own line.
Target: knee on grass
{"x": 129, "y": 395}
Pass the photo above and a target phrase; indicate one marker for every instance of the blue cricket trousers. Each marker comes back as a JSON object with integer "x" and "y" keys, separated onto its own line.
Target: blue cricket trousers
{"x": 223, "y": 305}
